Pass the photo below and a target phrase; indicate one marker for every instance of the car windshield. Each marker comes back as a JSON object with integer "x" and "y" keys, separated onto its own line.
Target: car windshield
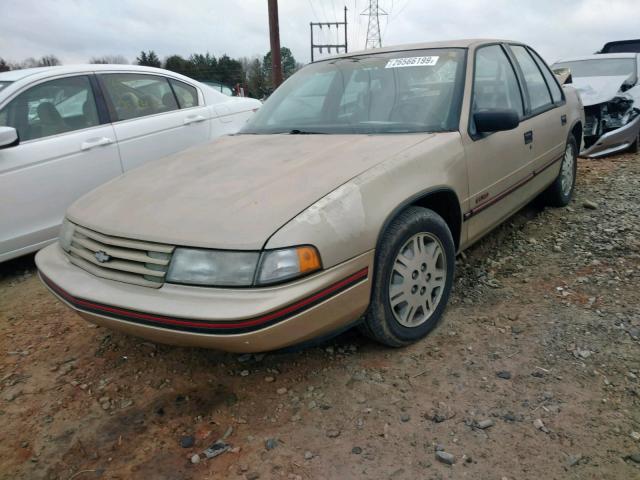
{"x": 398, "y": 92}
{"x": 605, "y": 67}
{"x": 3, "y": 84}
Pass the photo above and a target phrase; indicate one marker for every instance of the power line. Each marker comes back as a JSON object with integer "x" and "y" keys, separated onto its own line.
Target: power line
{"x": 401, "y": 10}
{"x": 392, "y": 16}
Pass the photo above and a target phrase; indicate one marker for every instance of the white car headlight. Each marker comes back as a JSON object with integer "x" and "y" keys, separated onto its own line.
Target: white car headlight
{"x": 224, "y": 268}
{"x": 66, "y": 235}
{"x": 213, "y": 267}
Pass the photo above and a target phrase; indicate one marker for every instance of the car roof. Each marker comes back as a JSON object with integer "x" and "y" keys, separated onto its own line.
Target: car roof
{"x": 43, "y": 72}
{"x": 598, "y": 56}
{"x": 460, "y": 43}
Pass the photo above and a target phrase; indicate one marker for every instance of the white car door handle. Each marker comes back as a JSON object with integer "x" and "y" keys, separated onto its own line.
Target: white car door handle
{"x": 194, "y": 119}
{"x": 95, "y": 142}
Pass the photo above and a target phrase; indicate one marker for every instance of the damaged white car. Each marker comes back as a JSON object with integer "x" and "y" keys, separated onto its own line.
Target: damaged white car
{"x": 610, "y": 91}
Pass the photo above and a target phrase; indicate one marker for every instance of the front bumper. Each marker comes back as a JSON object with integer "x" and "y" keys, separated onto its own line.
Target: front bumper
{"x": 614, "y": 141}
{"x": 236, "y": 320}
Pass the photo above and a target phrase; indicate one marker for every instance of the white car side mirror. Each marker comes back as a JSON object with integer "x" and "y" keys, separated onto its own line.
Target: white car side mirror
{"x": 8, "y": 137}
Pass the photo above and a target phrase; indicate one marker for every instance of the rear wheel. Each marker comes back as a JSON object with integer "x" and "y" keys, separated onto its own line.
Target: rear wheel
{"x": 560, "y": 191}
{"x": 413, "y": 278}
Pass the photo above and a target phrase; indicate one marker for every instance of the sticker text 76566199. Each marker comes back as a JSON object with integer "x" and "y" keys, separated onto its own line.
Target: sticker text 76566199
{"x": 412, "y": 62}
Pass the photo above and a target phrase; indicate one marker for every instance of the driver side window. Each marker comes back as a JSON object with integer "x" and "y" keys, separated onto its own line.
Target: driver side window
{"x": 51, "y": 108}
{"x": 495, "y": 85}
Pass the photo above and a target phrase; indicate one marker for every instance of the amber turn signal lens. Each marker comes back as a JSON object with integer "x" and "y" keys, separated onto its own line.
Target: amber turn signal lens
{"x": 309, "y": 259}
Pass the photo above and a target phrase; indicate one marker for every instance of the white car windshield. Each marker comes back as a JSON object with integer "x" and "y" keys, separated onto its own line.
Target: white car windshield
{"x": 3, "y": 84}
{"x": 398, "y": 92}
{"x": 605, "y": 67}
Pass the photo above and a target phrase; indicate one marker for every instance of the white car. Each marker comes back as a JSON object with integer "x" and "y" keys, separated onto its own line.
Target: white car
{"x": 66, "y": 130}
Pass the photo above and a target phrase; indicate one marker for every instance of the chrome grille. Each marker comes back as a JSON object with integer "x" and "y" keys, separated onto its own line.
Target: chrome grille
{"x": 120, "y": 259}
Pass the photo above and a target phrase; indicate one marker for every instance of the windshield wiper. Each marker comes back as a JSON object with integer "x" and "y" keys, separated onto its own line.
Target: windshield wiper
{"x": 297, "y": 131}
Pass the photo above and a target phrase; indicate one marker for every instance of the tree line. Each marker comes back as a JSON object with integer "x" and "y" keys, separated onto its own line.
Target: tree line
{"x": 46, "y": 61}
{"x": 253, "y": 74}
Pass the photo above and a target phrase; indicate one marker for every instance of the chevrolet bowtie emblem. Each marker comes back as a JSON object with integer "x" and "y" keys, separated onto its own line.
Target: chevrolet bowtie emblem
{"x": 102, "y": 257}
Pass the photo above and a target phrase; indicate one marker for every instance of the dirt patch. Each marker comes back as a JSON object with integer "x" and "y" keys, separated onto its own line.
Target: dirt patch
{"x": 532, "y": 374}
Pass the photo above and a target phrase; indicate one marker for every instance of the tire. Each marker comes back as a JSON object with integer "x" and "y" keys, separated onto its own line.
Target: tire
{"x": 559, "y": 193}
{"x": 385, "y": 320}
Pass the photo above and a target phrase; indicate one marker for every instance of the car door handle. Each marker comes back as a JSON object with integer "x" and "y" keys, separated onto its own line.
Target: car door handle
{"x": 95, "y": 142}
{"x": 528, "y": 137}
{"x": 563, "y": 119}
{"x": 194, "y": 119}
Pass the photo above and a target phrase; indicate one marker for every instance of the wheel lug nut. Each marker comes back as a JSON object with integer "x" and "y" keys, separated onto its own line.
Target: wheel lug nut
{"x": 414, "y": 275}
{"x": 414, "y": 289}
{"x": 423, "y": 267}
{"x": 422, "y": 290}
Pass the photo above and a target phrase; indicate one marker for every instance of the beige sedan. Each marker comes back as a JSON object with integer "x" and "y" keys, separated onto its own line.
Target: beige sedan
{"x": 344, "y": 201}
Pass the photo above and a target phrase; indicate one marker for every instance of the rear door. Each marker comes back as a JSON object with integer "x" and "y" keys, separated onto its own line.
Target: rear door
{"x": 499, "y": 162}
{"x": 67, "y": 148}
{"x": 546, "y": 112}
{"x": 153, "y": 116}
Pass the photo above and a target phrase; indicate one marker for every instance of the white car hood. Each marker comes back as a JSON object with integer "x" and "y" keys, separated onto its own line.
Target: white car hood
{"x": 594, "y": 90}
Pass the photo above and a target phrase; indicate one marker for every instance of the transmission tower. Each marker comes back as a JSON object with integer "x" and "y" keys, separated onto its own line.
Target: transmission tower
{"x": 374, "y": 39}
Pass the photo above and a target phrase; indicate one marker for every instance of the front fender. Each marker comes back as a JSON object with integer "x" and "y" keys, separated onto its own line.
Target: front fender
{"x": 347, "y": 221}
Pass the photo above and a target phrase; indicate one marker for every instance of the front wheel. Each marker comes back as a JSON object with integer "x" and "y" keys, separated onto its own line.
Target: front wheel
{"x": 412, "y": 280}
{"x": 560, "y": 191}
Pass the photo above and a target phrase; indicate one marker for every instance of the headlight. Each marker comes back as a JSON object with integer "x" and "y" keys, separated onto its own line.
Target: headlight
{"x": 280, "y": 265}
{"x": 66, "y": 234}
{"x": 212, "y": 267}
{"x": 238, "y": 269}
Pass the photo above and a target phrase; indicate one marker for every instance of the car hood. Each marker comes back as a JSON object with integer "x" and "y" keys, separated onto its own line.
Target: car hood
{"x": 594, "y": 90}
{"x": 233, "y": 193}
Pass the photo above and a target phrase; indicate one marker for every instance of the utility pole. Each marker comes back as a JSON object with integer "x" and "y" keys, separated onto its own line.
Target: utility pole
{"x": 374, "y": 38}
{"x": 274, "y": 34}
{"x": 329, "y": 46}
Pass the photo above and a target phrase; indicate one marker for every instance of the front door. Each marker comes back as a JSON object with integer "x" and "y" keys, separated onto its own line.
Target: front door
{"x": 497, "y": 162}
{"x": 64, "y": 152}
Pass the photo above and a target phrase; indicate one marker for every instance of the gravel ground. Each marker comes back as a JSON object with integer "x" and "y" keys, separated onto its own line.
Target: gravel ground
{"x": 533, "y": 374}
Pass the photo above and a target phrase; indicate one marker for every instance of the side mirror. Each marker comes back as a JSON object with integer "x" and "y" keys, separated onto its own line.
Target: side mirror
{"x": 8, "y": 137}
{"x": 496, "y": 120}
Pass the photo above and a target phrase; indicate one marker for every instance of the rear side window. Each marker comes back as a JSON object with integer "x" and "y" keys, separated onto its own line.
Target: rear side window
{"x": 51, "y": 108}
{"x": 495, "y": 85}
{"x": 133, "y": 95}
{"x": 556, "y": 93}
{"x": 536, "y": 86}
{"x": 186, "y": 94}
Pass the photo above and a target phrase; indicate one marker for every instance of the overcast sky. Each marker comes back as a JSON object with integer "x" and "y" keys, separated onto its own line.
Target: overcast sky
{"x": 76, "y": 30}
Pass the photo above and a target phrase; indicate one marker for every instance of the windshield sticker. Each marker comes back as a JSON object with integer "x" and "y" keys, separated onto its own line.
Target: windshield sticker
{"x": 412, "y": 62}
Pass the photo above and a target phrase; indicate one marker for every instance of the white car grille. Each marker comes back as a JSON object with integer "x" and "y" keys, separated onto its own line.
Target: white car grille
{"x": 120, "y": 259}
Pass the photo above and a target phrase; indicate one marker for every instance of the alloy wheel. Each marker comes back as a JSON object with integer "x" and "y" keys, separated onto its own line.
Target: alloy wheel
{"x": 566, "y": 176}
{"x": 417, "y": 280}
